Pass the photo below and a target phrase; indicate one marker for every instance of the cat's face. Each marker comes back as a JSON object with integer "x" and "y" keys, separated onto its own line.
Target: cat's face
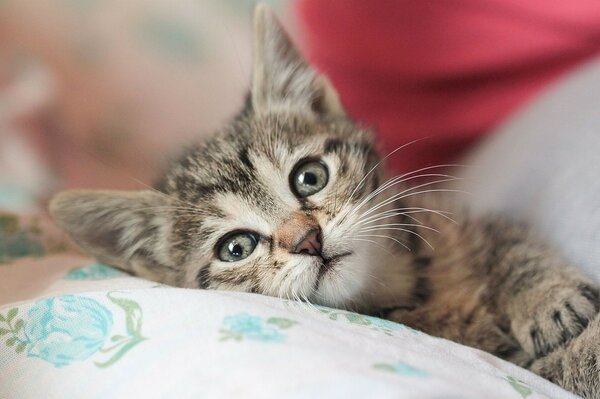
{"x": 274, "y": 204}
{"x": 272, "y": 208}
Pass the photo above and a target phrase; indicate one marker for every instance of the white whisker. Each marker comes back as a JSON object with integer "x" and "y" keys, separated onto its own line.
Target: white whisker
{"x": 379, "y": 226}
{"x": 384, "y": 236}
{"x": 372, "y": 242}
{"x": 401, "y": 195}
{"x": 401, "y": 229}
{"x": 379, "y": 163}
{"x": 402, "y": 179}
{"x": 403, "y": 212}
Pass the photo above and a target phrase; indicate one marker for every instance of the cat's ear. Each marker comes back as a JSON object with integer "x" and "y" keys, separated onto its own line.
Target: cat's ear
{"x": 281, "y": 79}
{"x": 127, "y": 229}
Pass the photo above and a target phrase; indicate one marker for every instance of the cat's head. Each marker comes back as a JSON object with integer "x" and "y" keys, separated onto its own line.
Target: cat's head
{"x": 271, "y": 204}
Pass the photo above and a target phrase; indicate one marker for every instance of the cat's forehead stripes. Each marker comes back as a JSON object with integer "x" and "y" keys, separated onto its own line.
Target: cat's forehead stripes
{"x": 241, "y": 178}
{"x": 229, "y": 162}
{"x": 239, "y": 213}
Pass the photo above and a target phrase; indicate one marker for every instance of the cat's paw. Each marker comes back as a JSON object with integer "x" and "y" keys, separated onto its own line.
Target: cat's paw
{"x": 550, "y": 320}
{"x": 576, "y": 366}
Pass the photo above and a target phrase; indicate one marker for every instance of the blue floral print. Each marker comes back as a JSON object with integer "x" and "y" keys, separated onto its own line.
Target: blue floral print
{"x": 401, "y": 368}
{"x": 375, "y": 323}
{"x": 243, "y": 325}
{"x": 65, "y": 329}
{"x": 383, "y": 323}
{"x": 70, "y": 328}
{"x": 94, "y": 271}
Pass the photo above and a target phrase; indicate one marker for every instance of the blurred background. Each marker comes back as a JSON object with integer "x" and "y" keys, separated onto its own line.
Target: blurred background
{"x": 98, "y": 93}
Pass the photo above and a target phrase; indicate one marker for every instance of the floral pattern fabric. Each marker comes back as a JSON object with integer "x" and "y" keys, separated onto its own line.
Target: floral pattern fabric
{"x": 90, "y": 339}
{"x": 66, "y": 329}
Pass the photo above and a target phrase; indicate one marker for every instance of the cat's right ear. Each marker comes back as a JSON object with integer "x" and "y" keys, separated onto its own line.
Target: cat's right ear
{"x": 127, "y": 229}
{"x": 281, "y": 79}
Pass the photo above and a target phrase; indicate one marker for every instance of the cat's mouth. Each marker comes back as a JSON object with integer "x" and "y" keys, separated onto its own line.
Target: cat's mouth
{"x": 328, "y": 264}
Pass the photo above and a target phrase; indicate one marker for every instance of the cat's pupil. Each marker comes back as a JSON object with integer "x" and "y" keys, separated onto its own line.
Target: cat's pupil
{"x": 308, "y": 178}
{"x": 235, "y": 249}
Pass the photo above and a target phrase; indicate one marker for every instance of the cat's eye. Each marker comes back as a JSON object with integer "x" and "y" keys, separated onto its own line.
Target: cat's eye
{"x": 308, "y": 178}
{"x": 236, "y": 246}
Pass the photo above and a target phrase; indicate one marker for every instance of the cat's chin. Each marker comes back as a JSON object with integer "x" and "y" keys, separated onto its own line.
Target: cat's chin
{"x": 342, "y": 284}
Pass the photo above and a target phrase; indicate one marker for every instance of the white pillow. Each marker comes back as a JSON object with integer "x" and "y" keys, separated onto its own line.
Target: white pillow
{"x": 98, "y": 333}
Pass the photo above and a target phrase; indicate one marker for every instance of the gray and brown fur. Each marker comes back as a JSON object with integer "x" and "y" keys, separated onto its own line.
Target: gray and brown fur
{"x": 486, "y": 283}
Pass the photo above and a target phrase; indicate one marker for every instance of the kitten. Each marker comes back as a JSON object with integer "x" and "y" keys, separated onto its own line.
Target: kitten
{"x": 289, "y": 200}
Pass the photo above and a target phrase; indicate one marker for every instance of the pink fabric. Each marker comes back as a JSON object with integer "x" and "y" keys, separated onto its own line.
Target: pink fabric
{"x": 444, "y": 69}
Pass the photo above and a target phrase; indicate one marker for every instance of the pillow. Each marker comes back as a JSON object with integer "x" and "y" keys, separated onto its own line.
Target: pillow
{"x": 96, "y": 332}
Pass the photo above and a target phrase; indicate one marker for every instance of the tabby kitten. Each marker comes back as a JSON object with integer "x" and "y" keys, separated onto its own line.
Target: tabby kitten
{"x": 288, "y": 200}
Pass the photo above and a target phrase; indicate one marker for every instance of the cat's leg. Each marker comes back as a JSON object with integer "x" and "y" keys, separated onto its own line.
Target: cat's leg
{"x": 549, "y": 307}
{"x": 547, "y": 302}
{"x": 477, "y": 328}
{"x": 575, "y": 366}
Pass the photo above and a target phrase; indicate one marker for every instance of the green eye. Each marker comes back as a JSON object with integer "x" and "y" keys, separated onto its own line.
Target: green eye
{"x": 236, "y": 246}
{"x": 308, "y": 178}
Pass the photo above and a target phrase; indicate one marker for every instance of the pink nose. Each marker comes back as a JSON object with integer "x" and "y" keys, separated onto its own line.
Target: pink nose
{"x": 309, "y": 244}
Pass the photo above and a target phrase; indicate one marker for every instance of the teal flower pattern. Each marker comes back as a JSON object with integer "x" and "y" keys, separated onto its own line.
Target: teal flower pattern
{"x": 244, "y": 326}
{"x": 67, "y": 328}
{"x": 375, "y": 323}
{"x": 383, "y": 323}
{"x": 94, "y": 271}
{"x": 401, "y": 368}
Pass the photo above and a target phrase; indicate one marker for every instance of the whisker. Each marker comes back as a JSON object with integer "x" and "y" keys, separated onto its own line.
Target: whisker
{"x": 384, "y": 236}
{"x": 401, "y": 195}
{"x": 389, "y": 214}
{"x": 414, "y": 219}
{"x": 437, "y": 190}
{"x": 372, "y": 242}
{"x": 405, "y": 230}
{"x": 395, "y": 180}
{"x": 404, "y": 212}
{"x": 379, "y": 163}
{"x": 402, "y": 179}
{"x": 398, "y": 225}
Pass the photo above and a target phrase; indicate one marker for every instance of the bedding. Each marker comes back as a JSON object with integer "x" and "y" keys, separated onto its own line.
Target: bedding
{"x": 71, "y": 327}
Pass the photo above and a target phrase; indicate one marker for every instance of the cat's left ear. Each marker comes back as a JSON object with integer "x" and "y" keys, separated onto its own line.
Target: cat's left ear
{"x": 281, "y": 79}
{"x": 127, "y": 229}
